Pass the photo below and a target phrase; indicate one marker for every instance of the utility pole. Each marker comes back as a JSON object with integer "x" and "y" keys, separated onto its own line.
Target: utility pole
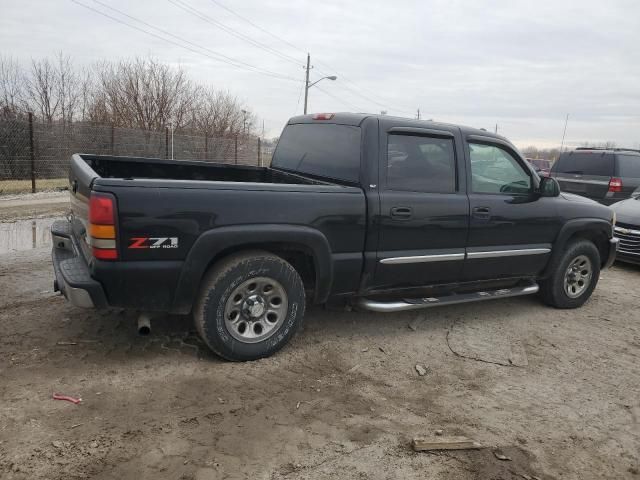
{"x": 306, "y": 83}
{"x": 418, "y": 117}
{"x": 496, "y": 129}
{"x": 566, "y": 120}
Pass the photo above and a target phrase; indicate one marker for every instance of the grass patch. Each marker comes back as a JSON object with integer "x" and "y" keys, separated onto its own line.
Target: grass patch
{"x": 9, "y": 187}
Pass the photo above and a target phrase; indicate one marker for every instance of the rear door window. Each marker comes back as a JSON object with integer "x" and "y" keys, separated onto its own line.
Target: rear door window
{"x": 629, "y": 166}
{"x": 421, "y": 164}
{"x": 325, "y": 150}
{"x": 585, "y": 163}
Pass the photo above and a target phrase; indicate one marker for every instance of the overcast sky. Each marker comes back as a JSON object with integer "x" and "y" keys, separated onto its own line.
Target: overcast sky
{"x": 521, "y": 64}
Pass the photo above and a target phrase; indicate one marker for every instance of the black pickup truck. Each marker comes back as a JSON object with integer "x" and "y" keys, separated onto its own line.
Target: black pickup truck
{"x": 385, "y": 213}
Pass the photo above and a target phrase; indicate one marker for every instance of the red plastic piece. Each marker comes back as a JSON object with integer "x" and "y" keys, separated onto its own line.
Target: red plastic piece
{"x": 57, "y": 396}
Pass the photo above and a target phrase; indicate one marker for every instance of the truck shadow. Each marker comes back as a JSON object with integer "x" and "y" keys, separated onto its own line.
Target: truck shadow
{"x": 112, "y": 333}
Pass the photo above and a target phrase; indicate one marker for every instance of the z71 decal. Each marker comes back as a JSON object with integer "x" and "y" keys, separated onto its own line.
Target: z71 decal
{"x": 153, "y": 242}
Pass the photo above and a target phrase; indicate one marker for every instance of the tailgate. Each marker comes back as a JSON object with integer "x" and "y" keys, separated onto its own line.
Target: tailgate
{"x": 81, "y": 178}
{"x": 592, "y": 186}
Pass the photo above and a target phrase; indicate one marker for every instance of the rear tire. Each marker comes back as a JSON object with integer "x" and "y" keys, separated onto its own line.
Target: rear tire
{"x": 249, "y": 306}
{"x": 574, "y": 276}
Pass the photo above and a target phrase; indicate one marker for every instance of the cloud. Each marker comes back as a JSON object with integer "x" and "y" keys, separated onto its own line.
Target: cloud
{"x": 522, "y": 65}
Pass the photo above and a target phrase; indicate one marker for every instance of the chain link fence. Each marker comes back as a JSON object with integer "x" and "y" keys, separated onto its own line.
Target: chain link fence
{"x": 34, "y": 157}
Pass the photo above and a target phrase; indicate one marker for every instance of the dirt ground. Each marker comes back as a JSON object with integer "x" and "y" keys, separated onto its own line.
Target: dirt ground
{"x": 33, "y": 205}
{"x": 557, "y": 392}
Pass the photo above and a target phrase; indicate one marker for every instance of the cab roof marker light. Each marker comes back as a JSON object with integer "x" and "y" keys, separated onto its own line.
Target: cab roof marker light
{"x": 323, "y": 116}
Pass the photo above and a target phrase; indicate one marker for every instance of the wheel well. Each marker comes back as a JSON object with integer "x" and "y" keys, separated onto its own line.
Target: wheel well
{"x": 299, "y": 256}
{"x": 597, "y": 237}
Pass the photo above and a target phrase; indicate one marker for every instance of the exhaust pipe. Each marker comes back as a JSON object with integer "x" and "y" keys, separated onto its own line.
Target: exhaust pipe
{"x": 144, "y": 324}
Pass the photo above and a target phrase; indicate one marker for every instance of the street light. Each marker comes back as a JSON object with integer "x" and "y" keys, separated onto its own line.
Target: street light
{"x": 308, "y": 85}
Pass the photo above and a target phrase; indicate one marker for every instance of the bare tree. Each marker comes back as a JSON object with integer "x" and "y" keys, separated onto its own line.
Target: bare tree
{"x": 11, "y": 86}
{"x": 67, "y": 88}
{"x": 41, "y": 90}
{"x": 88, "y": 93}
{"x": 546, "y": 153}
{"x": 145, "y": 94}
{"x": 607, "y": 144}
{"x": 219, "y": 114}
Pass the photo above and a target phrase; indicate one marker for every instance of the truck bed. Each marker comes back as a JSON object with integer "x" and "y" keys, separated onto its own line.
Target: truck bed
{"x": 198, "y": 208}
{"x": 152, "y": 168}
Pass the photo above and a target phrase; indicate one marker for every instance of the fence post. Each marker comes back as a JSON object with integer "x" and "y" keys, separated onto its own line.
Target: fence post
{"x": 112, "y": 139}
{"x": 235, "y": 155}
{"x": 166, "y": 143}
{"x": 32, "y": 154}
{"x": 259, "y": 154}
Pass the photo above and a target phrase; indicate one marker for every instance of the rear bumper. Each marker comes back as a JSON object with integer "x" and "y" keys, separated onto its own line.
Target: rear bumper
{"x": 72, "y": 276}
{"x": 613, "y": 250}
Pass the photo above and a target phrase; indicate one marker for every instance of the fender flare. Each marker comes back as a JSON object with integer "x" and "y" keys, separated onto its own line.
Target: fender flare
{"x": 594, "y": 225}
{"x": 212, "y": 242}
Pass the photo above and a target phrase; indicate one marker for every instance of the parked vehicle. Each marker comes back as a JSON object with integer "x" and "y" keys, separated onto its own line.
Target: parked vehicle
{"x": 386, "y": 213}
{"x": 627, "y": 228}
{"x": 604, "y": 175}
{"x": 541, "y": 166}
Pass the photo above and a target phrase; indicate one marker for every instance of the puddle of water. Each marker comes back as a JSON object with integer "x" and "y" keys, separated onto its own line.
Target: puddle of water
{"x": 25, "y": 234}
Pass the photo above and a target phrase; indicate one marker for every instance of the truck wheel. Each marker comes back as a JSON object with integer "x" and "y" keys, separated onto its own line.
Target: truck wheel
{"x": 249, "y": 306}
{"x": 574, "y": 276}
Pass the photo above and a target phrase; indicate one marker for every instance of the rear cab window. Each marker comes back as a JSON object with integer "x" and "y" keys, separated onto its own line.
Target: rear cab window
{"x": 585, "y": 163}
{"x": 323, "y": 150}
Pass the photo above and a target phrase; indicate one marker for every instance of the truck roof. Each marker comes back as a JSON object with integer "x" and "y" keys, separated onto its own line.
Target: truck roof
{"x": 355, "y": 119}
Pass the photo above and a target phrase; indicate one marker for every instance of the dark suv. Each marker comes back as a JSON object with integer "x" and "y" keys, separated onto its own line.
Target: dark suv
{"x": 604, "y": 175}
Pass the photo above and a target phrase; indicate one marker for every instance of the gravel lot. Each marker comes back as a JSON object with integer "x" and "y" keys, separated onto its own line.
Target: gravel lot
{"x": 557, "y": 392}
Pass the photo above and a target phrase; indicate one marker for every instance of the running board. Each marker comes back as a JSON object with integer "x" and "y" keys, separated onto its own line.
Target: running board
{"x": 417, "y": 303}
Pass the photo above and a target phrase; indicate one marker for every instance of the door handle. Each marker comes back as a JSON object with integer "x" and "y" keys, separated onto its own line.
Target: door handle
{"x": 483, "y": 213}
{"x": 401, "y": 213}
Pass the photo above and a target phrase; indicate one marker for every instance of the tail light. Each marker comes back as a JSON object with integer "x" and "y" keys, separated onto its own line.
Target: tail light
{"x": 615, "y": 185}
{"x": 102, "y": 226}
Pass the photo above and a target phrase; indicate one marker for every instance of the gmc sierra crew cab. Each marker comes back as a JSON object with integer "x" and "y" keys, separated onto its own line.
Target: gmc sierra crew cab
{"x": 385, "y": 213}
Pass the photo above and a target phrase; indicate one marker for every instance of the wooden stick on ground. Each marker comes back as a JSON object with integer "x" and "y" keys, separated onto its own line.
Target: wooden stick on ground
{"x": 420, "y": 444}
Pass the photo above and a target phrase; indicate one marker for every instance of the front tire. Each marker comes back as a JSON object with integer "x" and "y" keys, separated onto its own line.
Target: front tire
{"x": 574, "y": 276}
{"x": 249, "y": 306}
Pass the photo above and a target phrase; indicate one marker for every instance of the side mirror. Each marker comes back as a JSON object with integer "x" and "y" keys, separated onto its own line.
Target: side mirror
{"x": 549, "y": 187}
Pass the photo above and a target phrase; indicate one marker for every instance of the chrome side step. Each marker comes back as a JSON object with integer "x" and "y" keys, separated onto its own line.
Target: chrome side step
{"x": 417, "y": 303}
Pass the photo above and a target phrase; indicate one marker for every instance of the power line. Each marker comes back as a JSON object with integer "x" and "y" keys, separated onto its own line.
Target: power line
{"x": 258, "y": 26}
{"x": 355, "y": 91}
{"x": 194, "y": 11}
{"x": 358, "y": 92}
{"x": 203, "y": 16}
{"x": 349, "y": 104}
{"x": 234, "y": 61}
{"x": 212, "y": 55}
